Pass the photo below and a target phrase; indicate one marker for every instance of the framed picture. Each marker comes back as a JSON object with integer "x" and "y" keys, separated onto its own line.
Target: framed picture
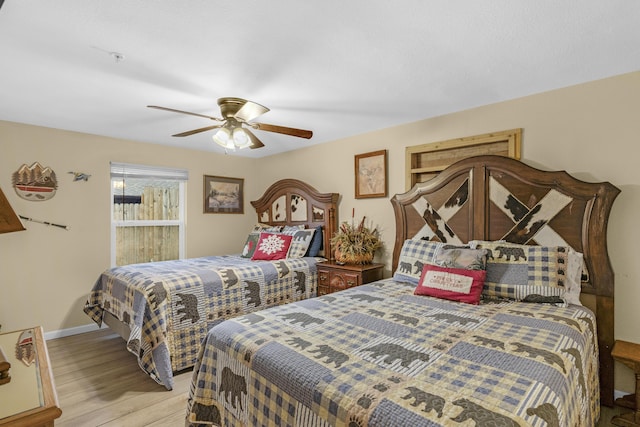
{"x": 223, "y": 194}
{"x": 371, "y": 174}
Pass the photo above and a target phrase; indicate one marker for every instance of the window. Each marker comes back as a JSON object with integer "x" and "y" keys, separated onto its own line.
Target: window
{"x": 147, "y": 213}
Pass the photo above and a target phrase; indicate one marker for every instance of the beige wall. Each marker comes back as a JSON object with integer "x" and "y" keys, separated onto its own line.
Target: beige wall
{"x": 589, "y": 130}
{"x": 46, "y": 272}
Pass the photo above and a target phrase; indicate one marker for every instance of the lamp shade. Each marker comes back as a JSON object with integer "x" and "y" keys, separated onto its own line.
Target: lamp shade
{"x": 223, "y": 138}
{"x": 240, "y": 138}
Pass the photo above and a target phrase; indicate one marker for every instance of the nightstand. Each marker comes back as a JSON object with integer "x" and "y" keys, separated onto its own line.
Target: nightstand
{"x": 334, "y": 277}
{"x": 628, "y": 354}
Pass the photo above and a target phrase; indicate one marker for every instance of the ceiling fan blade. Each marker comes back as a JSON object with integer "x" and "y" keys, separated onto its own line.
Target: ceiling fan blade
{"x": 300, "y": 133}
{"x": 255, "y": 142}
{"x": 192, "y": 132}
{"x": 249, "y": 111}
{"x": 185, "y": 112}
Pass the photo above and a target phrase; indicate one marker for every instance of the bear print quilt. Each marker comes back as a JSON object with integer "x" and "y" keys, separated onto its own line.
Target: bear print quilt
{"x": 378, "y": 355}
{"x": 169, "y": 306}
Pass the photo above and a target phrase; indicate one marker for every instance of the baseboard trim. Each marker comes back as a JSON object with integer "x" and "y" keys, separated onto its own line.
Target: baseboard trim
{"x": 71, "y": 331}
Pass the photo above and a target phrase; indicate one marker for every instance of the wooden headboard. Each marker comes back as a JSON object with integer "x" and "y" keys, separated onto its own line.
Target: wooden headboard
{"x": 293, "y": 202}
{"x": 499, "y": 198}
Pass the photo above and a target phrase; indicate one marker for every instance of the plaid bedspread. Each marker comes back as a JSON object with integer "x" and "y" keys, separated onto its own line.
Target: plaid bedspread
{"x": 170, "y": 305}
{"x": 377, "y": 355}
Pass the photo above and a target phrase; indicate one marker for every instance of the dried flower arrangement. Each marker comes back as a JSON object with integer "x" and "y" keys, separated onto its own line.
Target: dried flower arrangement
{"x": 355, "y": 244}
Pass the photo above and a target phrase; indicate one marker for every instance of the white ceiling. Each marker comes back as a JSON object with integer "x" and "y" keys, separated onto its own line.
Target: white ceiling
{"x": 339, "y": 68}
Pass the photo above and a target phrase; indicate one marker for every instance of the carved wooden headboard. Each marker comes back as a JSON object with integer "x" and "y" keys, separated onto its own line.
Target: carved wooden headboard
{"x": 293, "y": 202}
{"x": 499, "y": 198}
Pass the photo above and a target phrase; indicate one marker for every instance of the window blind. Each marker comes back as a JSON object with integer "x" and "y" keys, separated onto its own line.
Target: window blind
{"x": 130, "y": 170}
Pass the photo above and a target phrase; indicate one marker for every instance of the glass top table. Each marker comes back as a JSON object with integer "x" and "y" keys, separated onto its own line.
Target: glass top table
{"x": 29, "y": 398}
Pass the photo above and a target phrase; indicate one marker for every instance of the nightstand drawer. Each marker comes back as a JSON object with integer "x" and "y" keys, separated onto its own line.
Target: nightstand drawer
{"x": 323, "y": 282}
{"x": 340, "y": 280}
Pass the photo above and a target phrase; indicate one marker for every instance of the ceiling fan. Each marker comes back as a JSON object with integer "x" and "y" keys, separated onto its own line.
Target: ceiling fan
{"x": 233, "y": 132}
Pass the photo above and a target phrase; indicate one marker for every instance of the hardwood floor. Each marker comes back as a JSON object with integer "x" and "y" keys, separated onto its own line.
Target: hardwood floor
{"x": 99, "y": 383}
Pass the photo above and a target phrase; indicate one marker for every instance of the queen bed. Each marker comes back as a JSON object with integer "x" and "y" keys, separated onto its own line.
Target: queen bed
{"x": 533, "y": 349}
{"x": 164, "y": 309}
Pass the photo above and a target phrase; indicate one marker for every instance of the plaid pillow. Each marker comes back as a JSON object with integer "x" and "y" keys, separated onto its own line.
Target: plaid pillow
{"x": 415, "y": 254}
{"x": 519, "y": 271}
{"x": 300, "y": 242}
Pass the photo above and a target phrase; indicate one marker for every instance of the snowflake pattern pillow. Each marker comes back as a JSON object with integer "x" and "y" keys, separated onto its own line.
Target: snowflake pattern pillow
{"x": 272, "y": 246}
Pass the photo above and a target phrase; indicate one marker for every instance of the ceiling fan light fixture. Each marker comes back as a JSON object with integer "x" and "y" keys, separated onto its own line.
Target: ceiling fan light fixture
{"x": 240, "y": 138}
{"x": 223, "y": 138}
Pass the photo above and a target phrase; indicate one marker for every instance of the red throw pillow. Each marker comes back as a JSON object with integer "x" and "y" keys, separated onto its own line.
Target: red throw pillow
{"x": 454, "y": 284}
{"x": 272, "y": 246}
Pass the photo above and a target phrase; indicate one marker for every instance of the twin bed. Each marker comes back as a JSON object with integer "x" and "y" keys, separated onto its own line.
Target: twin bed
{"x": 164, "y": 309}
{"x": 380, "y": 355}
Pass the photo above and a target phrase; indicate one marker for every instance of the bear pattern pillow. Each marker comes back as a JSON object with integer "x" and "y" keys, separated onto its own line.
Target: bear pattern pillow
{"x": 455, "y": 284}
{"x": 415, "y": 254}
{"x": 519, "y": 272}
{"x": 300, "y": 242}
{"x": 272, "y": 246}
